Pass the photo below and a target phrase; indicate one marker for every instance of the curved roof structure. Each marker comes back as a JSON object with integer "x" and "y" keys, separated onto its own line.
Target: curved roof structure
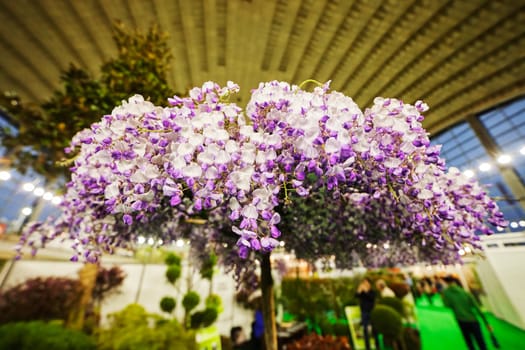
{"x": 460, "y": 57}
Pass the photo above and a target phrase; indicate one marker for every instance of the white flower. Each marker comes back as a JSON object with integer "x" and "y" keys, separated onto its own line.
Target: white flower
{"x": 425, "y": 194}
{"x": 392, "y": 162}
{"x": 112, "y": 190}
{"x": 231, "y": 146}
{"x": 212, "y": 132}
{"x": 242, "y": 178}
{"x": 192, "y": 170}
{"x": 222, "y": 157}
{"x": 332, "y": 146}
{"x": 185, "y": 149}
{"x": 211, "y": 173}
{"x": 248, "y": 153}
{"x": 250, "y": 212}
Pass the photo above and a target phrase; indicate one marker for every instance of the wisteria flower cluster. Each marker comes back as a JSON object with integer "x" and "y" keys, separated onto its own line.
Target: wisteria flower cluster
{"x": 144, "y": 166}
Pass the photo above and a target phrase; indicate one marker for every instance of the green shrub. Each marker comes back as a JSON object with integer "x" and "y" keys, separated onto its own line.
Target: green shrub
{"x": 387, "y": 321}
{"x": 214, "y": 301}
{"x": 173, "y": 273}
{"x": 312, "y": 298}
{"x": 190, "y": 300}
{"x": 135, "y": 329}
{"x": 172, "y": 259}
{"x": 210, "y": 316}
{"x": 208, "y": 266}
{"x": 167, "y": 304}
{"x": 394, "y": 303}
{"x": 204, "y": 318}
{"x": 38, "y": 335}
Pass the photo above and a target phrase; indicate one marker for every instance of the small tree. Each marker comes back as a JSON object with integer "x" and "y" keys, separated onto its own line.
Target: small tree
{"x": 44, "y": 131}
{"x": 191, "y": 299}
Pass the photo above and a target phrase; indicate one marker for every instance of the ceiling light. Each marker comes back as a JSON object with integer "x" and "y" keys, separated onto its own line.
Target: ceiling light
{"x": 386, "y": 245}
{"x": 27, "y": 211}
{"x": 514, "y": 224}
{"x": 522, "y": 150}
{"x": 151, "y": 241}
{"x": 504, "y": 159}
{"x": 179, "y": 243}
{"x": 56, "y": 200}
{"x": 468, "y": 250}
{"x": 28, "y": 186}
{"x": 369, "y": 245}
{"x": 461, "y": 252}
{"x": 522, "y": 223}
{"x": 5, "y": 175}
{"x": 39, "y": 191}
{"x": 281, "y": 243}
{"x": 141, "y": 240}
{"x": 484, "y": 167}
{"x": 48, "y": 196}
{"x": 499, "y": 228}
{"x": 469, "y": 173}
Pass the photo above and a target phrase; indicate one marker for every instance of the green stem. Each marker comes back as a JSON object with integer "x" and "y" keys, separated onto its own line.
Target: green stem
{"x": 67, "y": 162}
{"x": 393, "y": 192}
{"x": 286, "y": 199}
{"x": 310, "y": 81}
{"x": 148, "y": 130}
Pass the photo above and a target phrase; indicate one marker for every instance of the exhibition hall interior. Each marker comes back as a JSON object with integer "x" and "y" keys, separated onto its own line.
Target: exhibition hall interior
{"x": 262, "y": 174}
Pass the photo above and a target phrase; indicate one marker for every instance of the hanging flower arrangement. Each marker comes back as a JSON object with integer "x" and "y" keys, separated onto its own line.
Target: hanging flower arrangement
{"x": 203, "y": 157}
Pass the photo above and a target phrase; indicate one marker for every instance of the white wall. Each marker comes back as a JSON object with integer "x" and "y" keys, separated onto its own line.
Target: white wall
{"x": 502, "y": 274}
{"x": 154, "y": 286}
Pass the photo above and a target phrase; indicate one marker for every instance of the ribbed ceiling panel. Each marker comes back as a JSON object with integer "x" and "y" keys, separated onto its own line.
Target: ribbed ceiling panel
{"x": 459, "y": 56}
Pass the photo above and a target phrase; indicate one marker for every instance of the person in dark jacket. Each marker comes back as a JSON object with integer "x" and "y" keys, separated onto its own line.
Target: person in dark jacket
{"x": 465, "y": 311}
{"x": 367, "y": 298}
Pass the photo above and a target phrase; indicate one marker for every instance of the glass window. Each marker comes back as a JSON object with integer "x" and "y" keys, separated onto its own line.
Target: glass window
{"x": 14, "y": 196}
{"x": 462, "y": 149}
{"x": 509, "y": 133}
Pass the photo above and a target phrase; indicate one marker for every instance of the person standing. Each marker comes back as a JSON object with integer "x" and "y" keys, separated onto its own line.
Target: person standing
{"x": 465, "y": 311}
{"x": 239, "y": 340}
{"x": 384, "y": 290}
{"x": 367, "y": 297}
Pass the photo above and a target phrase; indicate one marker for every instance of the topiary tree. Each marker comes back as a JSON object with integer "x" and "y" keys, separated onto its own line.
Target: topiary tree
{"x": 172, "y": 259}
{"x": 394, "y": 303}
{"x": 173, "y": 273}
{"x": 387, "y": 321}
{"x": 203, "y": 318}
{"x": 167, "y": 304}
{"x": 213, "y": 301}
{"x": 190, "y": 300}
{"x": 207, "y": 268}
